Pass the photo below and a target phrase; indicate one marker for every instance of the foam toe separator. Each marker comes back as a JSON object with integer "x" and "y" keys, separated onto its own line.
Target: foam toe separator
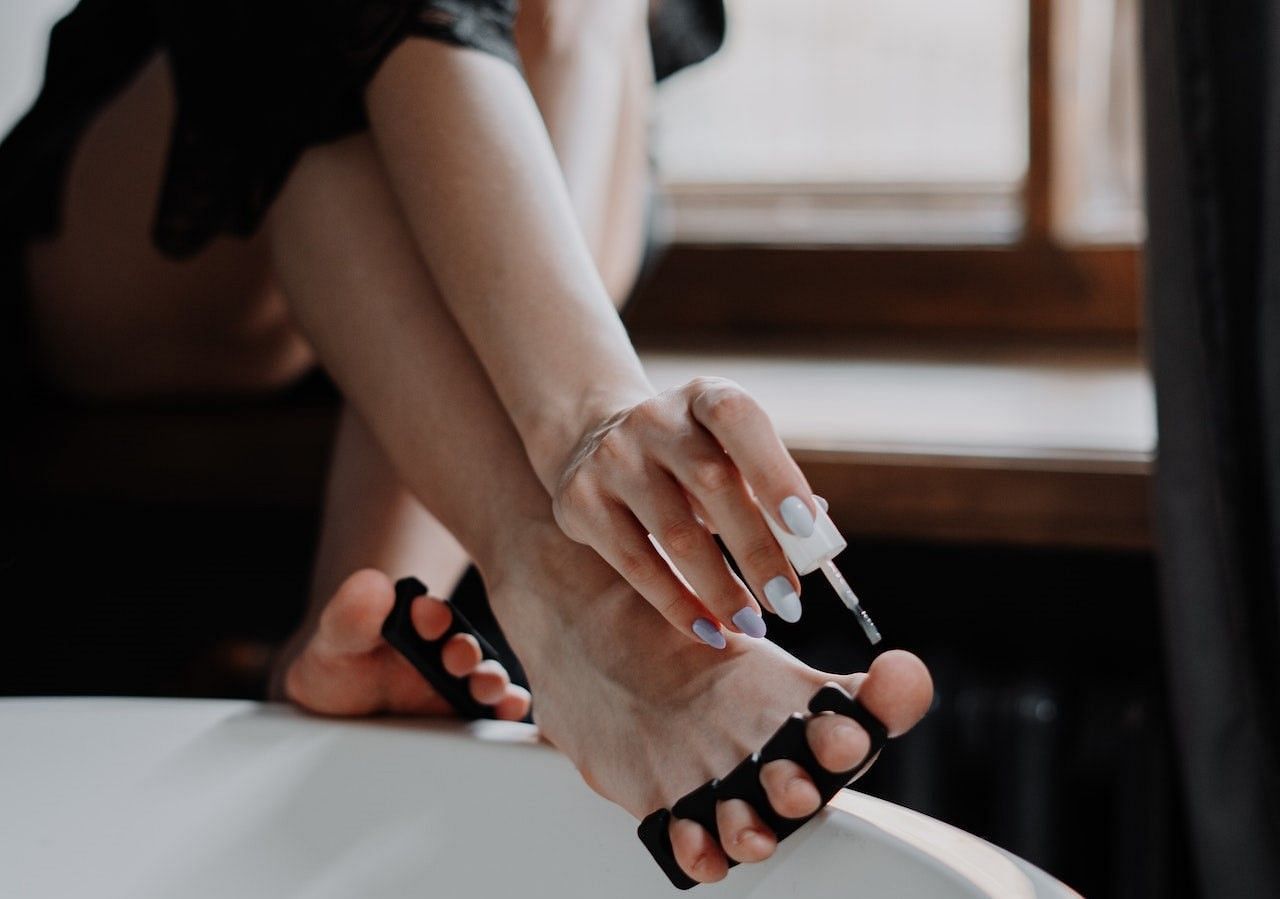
{"x": 788, "y": 742}
{"x": 427, "y": 655}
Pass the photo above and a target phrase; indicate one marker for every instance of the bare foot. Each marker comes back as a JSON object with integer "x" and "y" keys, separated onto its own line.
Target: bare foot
{"x": 644, "y": 714}
{"x": 346, "y": 668}
{"x": 647, "y": 716}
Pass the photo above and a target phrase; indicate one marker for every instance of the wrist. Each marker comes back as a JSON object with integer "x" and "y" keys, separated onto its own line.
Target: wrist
{"x": 557, "y": 434}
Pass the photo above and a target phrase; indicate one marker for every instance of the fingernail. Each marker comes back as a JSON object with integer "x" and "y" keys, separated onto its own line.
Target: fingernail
{"x": 821, "y": 502}
{"x": 709, "y": 634}
{"x": 748, "y": 621}
{"x": 784, "y": 599}
{"x": 796, "y": 516}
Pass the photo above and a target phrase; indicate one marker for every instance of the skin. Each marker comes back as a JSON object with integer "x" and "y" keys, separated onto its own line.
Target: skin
{"x": 344, "y": 262}
{"x": 619, "y": 462}
{"x": 372, "y": 519}
{"x": 588, "y": 645}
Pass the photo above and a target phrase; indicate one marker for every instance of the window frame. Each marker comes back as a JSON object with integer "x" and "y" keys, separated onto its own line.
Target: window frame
{"x": 1035, "y": 284}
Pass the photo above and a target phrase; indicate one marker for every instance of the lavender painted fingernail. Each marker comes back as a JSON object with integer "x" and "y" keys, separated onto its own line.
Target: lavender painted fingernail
{"x": 748, "y": 621}
{"x": 784, "y": 599}
{"x": 709, "y": 634}
{"x": 796, "y": 516}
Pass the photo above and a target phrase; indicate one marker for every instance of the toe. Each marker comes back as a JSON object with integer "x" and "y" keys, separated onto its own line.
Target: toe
{"x": 897, "y": 690}
{"x": 461, "y": 655}
{"x": 744, "y": 837}
{"x": 352, "y": 621}
{"x": 838, "y": 743}
{"x": 696, "y": 852}
{"x": 431, "y": 617}
{"x": 489, "y": 681}
{"x": 790, "y": 791}
{"x": 514, "y": 704}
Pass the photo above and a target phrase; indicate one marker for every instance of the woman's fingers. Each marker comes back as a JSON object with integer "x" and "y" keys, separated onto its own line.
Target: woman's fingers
{"x": 662, "y": 507}
{"x": 709, "y": 476}
{"x": 624, "y": 543}
{"x": 680, "y": 466}
{"x": 745, "y": 432}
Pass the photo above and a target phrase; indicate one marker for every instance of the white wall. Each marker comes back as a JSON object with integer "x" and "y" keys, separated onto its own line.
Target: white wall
{"x": 24, "y": 38}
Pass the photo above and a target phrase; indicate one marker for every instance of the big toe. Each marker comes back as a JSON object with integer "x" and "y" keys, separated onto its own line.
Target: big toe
{"x": 352, "y": 621}
{"x": 897, "y": 690}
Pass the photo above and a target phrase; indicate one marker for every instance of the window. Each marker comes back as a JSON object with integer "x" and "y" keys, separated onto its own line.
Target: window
{"x": 841, "y": 120}
{"x": 920, "y": 165}
{"x": 24, "y": 41}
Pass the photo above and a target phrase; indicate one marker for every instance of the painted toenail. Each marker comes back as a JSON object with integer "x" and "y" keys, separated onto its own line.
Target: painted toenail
{"x": 709, "y": 634}
{"x": 782, "y": 596}
{"x": 748, "y": 621}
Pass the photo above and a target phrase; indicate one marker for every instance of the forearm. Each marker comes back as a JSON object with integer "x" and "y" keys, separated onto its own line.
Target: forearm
{"x": 476, "y": 176}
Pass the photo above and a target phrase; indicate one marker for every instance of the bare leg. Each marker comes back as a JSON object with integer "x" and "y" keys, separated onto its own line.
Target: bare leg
{"x": 607, "y": 668}
{"x": 588, "y": 67}
{"x": 597, "y": 114}
{"x": 645, "y": 714}
{"x": 118, "y": 320}
{"x": 372, "y": 523}
{"x": 380, "y": 524}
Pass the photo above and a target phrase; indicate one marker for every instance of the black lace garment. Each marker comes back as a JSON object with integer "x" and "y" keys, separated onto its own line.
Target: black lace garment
{"x": 256, "y": 83}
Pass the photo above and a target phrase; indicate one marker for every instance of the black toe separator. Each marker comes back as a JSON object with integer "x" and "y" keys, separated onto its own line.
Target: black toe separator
{"x": 426, "y": 655}
{"x": 700, "y": 806}
{"x": 788, "y": 742}
{"x": 654, "y": 833}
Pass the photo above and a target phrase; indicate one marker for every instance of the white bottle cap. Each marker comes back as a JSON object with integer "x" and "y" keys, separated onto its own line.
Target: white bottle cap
{"x": 808, "y": 553}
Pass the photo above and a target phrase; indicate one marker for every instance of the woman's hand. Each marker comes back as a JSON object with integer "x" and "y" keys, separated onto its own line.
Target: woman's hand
{"x": 681, "y": 466}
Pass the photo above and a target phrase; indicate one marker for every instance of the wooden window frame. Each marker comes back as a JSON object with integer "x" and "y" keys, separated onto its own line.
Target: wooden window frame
{"x": 1035, "y": 285}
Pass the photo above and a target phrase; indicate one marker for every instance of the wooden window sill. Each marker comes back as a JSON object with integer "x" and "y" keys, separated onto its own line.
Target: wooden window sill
{"x": 1034, "y": 446}
{"x": 1037, "y": 446}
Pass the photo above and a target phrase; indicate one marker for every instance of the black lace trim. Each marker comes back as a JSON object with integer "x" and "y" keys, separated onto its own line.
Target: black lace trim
{"x": 235, "y": 143}
{"x": 256, "y": 84}
{"x": 486, "y": 27}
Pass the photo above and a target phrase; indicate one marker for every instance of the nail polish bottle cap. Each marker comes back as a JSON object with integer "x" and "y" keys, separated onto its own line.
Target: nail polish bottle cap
{"x": 808, "y": 553}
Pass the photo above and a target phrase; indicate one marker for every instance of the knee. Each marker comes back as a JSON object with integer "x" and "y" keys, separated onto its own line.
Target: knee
{"x": 265, "y": 352}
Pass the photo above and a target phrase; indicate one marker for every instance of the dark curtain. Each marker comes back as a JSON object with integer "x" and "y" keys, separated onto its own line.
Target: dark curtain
{"x": 1212, "y": 76}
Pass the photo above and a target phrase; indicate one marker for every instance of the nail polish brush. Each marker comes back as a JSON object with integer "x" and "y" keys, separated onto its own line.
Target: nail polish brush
{"x": 817, "y": 551}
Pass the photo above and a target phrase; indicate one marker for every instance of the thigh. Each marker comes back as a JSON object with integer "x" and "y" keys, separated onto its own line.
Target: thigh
{"x": 113, "y": 316}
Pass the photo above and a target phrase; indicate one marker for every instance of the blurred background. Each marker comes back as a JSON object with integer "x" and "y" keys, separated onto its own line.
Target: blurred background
{"x": 913, "y": 230}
